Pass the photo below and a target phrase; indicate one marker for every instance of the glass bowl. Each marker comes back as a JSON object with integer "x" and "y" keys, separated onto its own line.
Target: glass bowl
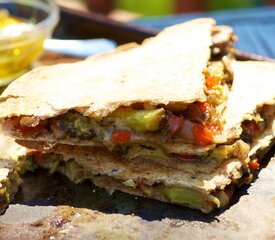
{"x": 21, "y": 45}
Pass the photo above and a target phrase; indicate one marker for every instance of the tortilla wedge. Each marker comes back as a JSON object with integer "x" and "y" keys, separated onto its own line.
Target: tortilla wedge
{"x": 254, "y": 88}
{"x": 142, "y": 89}
{"x": 98, "y": 92}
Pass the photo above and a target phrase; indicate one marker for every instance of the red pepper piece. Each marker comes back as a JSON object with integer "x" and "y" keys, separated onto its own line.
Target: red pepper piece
{"x": 254, "y": 165}
{"x": 203, "y": 136}
{"x": 121, "y": 136}
{"x": 212, "y": 81}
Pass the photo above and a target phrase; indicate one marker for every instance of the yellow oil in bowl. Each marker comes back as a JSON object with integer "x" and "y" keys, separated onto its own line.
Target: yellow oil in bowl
{"x": 18, "y": 48}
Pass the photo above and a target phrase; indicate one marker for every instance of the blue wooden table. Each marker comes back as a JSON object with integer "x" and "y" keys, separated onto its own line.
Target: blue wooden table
{"x": 254, "y": 27}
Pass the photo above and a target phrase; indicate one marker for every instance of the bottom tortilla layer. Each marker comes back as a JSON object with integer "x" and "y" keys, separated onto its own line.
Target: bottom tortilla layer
{"x": 200, "y": 200}
{"x": 195, "y": 189}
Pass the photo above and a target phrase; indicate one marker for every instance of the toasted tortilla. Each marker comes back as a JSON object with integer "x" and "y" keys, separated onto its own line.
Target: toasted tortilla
{"x": 9, "y": 149}
{"x": 265, "y": 141}
{"x": 165, "y": 69}
{"x": 10, "y": 168}
{"x": 253, "y": 87}
{"x": 9, "y": 177}
{"x": 195, "y": 175}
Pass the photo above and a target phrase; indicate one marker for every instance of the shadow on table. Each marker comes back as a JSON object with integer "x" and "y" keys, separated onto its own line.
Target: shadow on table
{"x": 40, "y": 189}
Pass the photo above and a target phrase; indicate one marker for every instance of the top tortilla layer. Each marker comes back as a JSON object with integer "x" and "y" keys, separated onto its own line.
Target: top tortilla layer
{"x": 165, "y": 69}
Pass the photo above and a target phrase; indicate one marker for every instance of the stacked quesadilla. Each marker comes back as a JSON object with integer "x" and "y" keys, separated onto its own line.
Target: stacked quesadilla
{"x": 157, "y": 120}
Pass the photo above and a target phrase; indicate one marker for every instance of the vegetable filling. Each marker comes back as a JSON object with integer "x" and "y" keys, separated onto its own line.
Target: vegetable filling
{"x": 197, "y": 124}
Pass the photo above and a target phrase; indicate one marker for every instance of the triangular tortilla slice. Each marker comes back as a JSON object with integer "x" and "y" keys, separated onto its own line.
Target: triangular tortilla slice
{"x": 253, "y": 86}
{"x": 165, "y": 69}
{"x": 167, "y": 73}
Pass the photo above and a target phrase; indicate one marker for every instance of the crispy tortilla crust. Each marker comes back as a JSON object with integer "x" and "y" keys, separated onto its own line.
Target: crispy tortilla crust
{"x": 9, "y": 150}
{"x": 201, "y": 176}
{"x": 173, "y": 61}
{"x": 253, "y": 87}
{"x": 265, "y": 141}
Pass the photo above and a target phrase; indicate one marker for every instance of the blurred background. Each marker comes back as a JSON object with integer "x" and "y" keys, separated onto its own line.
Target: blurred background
{"x": 253, "y": 20}
{"x": 164, "y": 7}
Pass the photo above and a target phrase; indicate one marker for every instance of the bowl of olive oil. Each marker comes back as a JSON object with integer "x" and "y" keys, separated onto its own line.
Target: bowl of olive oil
{"x": 24, "y": 26}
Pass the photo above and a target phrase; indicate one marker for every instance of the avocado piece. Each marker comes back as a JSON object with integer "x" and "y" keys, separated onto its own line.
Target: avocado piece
{"x": 219, "y": 154}
{"x": 239, "y": 150}
{"x": 138, "y": 120}
{"x": 186, "y": 196}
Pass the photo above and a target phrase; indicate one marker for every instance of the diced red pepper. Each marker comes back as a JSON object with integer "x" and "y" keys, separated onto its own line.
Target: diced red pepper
{"x": 175, "y": 124}
{"x": 121, "y": 136}
{"x": 202, "y": 135}
{"x": 212, "y": 81}
{"x": 254, "y": 165}
{"x": 203, "y": 106}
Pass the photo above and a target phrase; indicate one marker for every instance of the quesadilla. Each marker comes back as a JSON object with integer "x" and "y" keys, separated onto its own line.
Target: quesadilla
{"x": 159, "y": 120}
{"x": 168, "y": 93}
{"x": 202, "y": 183}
